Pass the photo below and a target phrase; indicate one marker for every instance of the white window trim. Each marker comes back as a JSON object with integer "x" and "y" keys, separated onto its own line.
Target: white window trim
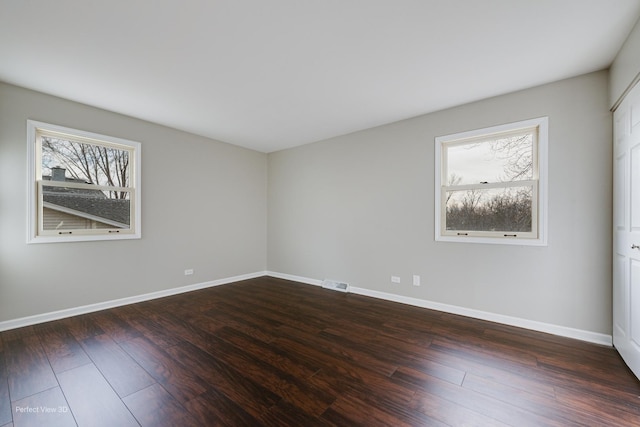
{"x": 33, "y": 169}
{"x": 542, "y": 123}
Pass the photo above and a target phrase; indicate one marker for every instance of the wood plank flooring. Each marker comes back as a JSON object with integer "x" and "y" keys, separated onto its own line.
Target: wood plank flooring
{"x": 272, "y": 352}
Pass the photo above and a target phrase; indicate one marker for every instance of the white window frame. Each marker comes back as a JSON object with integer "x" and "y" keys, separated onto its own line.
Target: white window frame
{"x": 538, "y": 236}
{"x": 35, "y": 232}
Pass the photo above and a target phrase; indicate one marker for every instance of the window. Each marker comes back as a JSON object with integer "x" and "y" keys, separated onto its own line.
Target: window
{"x": 491, "y": 184}
{"x": 82, "y": 186}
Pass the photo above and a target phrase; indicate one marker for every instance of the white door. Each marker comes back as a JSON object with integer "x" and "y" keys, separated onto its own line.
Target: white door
{"x": 626, "y": 230}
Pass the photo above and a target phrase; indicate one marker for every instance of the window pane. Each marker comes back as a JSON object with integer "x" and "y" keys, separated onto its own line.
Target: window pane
{"x": 497, "y": 160}
{"x": 66, "y": 208}
{"x": 496, "y": 209}
{"x": 64, "y": 160}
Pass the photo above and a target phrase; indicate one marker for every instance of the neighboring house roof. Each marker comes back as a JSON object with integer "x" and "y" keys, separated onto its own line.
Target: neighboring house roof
{"x": 99, "y": 209}
{"x": 90, "y": 204}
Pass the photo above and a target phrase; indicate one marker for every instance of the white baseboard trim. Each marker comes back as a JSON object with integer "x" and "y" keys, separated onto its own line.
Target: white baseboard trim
{"x": 60, "y": 314}
{"x": 293, "y": 278}
{"x": 563, "y": 331}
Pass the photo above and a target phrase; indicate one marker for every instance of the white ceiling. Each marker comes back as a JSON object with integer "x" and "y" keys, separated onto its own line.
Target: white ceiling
{"x": 274, "y": 74}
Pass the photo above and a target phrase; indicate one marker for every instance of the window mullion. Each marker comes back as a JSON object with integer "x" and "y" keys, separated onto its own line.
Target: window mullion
{"x": 84, "y": 186}
{"x": 508, "y": 184}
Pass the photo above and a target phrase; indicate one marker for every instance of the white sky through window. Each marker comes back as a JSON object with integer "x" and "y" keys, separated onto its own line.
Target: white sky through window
{"x": 484, "y": 161}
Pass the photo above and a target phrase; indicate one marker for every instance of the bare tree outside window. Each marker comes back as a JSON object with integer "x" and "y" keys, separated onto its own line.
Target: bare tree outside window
{"x": 490, "y": 163}
{"x": 81, "y": 167}
{"x": 517, "y": 151}
{"x": 92, "y": 164}
{"x": 507, "y": 210}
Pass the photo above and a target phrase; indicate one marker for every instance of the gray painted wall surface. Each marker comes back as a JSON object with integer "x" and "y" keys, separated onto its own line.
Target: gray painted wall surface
{"x": 626, "y": 66}
{"x": 203, "y": 207}
{"x": 359, "y": 208}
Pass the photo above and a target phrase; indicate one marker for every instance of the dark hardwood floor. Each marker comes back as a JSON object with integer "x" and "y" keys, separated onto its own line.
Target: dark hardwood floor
{"x": 271, "y": 352}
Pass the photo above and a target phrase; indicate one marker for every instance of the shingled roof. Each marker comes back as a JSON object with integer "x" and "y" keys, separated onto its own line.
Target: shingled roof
{"x": 117, "y": 210}
{"x": 93, "y": 203}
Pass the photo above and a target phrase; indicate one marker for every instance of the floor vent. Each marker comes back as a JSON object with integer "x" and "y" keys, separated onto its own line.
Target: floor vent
{"x": 336, "y": 286}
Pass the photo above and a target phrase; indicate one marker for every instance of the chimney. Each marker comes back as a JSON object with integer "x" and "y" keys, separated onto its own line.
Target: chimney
{"x": 58, "y": 174}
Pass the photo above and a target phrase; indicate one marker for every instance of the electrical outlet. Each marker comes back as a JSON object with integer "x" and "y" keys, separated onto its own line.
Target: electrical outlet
{"x": 416, "y": 280}
{"x": 395, "y": 279}
{"x": 188, "y": 272}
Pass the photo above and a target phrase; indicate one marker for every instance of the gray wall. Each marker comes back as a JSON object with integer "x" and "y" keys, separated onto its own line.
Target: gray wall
{"x": 626, "y": 67}
{"x": 359, "y": 208}
{"x": 203, "y": 207}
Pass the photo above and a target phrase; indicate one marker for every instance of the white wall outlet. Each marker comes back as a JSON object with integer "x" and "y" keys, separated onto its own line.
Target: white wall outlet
{"x": 395, "y": 279}
{"x": 188, "y": 272}
{"x": 416, "y": 280}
